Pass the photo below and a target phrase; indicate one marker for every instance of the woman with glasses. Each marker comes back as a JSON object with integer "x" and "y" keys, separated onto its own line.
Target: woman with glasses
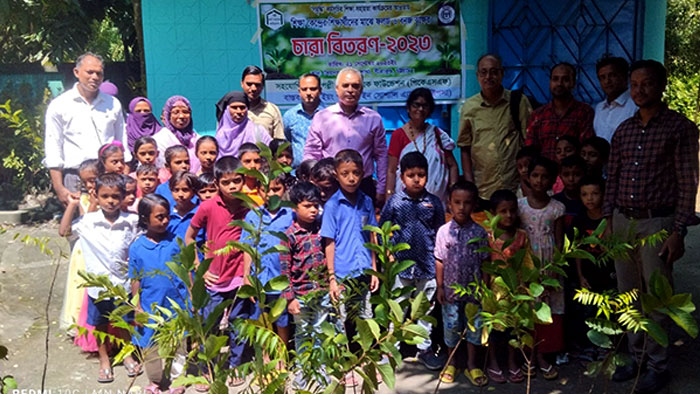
{"x": 418, "y": 135}
{"x": 178, "y": 130}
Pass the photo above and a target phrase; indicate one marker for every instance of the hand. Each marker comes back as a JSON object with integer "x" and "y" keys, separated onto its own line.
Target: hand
{"x": 334, "y": 291}
{"x": 210, "y": 279}
{"x": 63, "y": 195}
{"x": 381, "y": 198}
{"x": 584, "y": 282}
{"x": 93, "y": 201}
{"x": 73, "y": 199}
{"x": 373, "y": 283}
{"x": 673, "y": 248}
{"x": 293, "y": 307}
{"x": 441, "y": 296}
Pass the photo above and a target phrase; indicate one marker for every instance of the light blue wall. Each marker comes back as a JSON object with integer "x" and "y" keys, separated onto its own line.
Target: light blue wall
{"x": 199, "y": 49}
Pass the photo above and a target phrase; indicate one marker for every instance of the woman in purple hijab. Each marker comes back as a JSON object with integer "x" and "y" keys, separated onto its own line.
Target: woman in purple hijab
{"x": 140, "y": 122}
{"x": 177, "y": 130}
{"x": 234, "y": 128}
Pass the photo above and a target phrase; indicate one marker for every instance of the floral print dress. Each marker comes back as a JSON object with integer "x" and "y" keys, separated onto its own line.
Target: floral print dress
{"x": 539, "y": 226}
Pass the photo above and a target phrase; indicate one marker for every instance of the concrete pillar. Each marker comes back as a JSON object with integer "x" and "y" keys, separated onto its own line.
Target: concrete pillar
{"x": 654, "y": 31}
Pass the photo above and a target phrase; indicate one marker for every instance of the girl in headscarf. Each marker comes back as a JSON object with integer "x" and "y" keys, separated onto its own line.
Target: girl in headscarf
{"x": 140, "y": 122}
{"x": 234, "y": 128}
{"x": 178, "y": 130}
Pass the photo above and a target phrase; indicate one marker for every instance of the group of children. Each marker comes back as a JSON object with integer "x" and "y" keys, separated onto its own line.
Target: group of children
{"x": 130, "y": 221}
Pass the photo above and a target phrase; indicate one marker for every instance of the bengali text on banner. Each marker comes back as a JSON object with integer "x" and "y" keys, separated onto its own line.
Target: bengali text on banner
{"x": 398, "y": 46}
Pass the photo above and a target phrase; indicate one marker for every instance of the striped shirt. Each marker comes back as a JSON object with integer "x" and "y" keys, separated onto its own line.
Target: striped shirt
{"x": 303, "y": 264}
{"x": 654, "y": 166}
{"x": 546, "y": 127}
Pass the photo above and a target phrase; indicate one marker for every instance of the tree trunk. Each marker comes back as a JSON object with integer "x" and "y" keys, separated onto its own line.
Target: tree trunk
{"x": 138, "y": 25}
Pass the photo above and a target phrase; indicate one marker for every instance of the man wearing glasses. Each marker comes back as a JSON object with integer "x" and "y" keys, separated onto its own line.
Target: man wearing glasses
{"x": 490, "y": 134}
{"x": 349, "y": 125}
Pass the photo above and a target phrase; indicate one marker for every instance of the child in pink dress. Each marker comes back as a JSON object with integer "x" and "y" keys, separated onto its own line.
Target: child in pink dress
{"x": 542, "y": 219}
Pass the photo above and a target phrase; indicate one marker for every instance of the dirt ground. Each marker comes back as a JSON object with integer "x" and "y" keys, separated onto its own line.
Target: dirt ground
{"x": 31, "y": 291}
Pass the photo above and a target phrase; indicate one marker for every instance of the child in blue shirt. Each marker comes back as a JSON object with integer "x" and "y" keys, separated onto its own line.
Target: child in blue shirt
{"x": 344, "y": 216}
{"x": 420, "y": 214}
{"x": 323, "y": 176}
{"x": 278, "y": 220}
{"x": 183, "y": 187}
{"x": 147, "y": 257}
{"x": 176, "y": 159}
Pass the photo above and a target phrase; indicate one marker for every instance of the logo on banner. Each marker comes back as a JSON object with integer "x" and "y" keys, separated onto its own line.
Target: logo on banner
{"x": 446, "y": 14}
{"x": 274, "y": 19}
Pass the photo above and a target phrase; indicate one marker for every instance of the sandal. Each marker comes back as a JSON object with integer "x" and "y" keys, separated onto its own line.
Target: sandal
{"x": 233, "y": 381}
{"x": 549, "y": 373}
{"x": 496, "y": 375}
{"x": 201, "y": 388}
{"x": 105, "y": 376}
{"x": 448, "y": 375}
{"x": 177, "y": 390}
{"x": 515, "y": 376}
{"x": 151, "y": 389}
{"x": 133, "y": 369}
{"x": 476, "y": 377}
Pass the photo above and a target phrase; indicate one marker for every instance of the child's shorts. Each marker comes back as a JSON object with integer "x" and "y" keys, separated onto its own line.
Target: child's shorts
{"x": 98, "y": 312}
{"x": 270, "y": 299}
{"x": 454, "y": 321}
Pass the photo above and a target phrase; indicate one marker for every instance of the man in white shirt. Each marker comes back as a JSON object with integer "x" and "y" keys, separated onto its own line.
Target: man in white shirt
{"x": 618, "y": 105}
{"x": 78, "y": 122}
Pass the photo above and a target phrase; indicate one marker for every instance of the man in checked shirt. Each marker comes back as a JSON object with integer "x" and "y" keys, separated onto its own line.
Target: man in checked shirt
{"x": 652, "y": 181}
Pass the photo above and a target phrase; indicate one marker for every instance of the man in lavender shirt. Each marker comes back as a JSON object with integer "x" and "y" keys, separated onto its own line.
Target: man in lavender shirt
{"x": 348, "y": 125}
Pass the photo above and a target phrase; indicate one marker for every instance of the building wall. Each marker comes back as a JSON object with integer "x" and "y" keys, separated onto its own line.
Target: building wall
{"x": 199, "y": 49}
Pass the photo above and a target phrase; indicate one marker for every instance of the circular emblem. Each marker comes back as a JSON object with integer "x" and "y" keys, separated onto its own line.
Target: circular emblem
{"x": 446, "y": 14}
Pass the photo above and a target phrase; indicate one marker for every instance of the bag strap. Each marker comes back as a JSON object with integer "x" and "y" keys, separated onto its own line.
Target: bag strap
{"x": 515, "y": 98}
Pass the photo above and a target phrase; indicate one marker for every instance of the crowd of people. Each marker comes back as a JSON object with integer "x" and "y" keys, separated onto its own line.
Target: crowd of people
{"x": 132, "y": 188}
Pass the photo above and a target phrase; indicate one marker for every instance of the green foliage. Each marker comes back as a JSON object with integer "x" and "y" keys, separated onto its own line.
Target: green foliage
{"x": 173, "y": 324}
{"x": 682, "y": 57}
{"x": 58, "y": 31}
{"x": 323, "y": 361}
{"x": 7, "y": 383}
{"x": 276, "y": 58}
{"x": 619, "y": 313}
{"x": 448, "y": 55}
{"x": 106, "y": 40}
{"x": 325, "y": 358}
{"x": 682, "y": 43}
{"x": 22, "y": 152}
{"x": 683, "y": 93}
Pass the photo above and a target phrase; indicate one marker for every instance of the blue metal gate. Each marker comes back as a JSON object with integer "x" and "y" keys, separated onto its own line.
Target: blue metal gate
{"x": 533, "y": 35}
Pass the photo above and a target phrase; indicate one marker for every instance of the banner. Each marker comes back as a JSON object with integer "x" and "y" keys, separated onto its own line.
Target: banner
{"x": 397, "y": 45}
